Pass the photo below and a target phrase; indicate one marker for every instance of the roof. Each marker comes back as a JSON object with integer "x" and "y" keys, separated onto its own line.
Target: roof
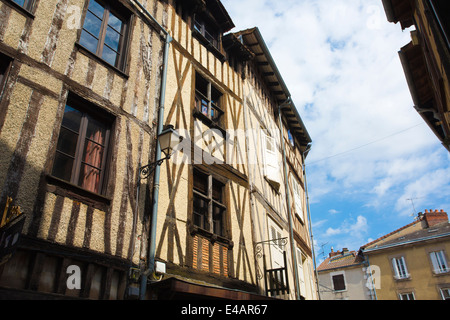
{"x": 428, "y": 226}
{"x": 253, "y": 39}
{"x": 428, "y": 234}
{"x": 341, "y": 260}
{"x": 389, "y": 234}
{"x": 399, "y": 10}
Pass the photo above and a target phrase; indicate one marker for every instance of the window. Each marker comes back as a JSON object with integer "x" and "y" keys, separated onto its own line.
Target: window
{"x": 210, "y": 34}
{"x": 445, "y": 293}
{"x": 26, "y": 4}
{"x": 82, "y": 147}
{"x": 208, "y": 205}
{"x": 5, "y": 63}
{"x": 104, "y": 32}
{"x": 207, "y": 100}
{"x": 407, "y": 296}
{"x": 297, "y": 190}
{"x": 271, "y": 166}
{"x": 291, "y": 138}
{"x": 400, "y": 270}
{"x": 338, "y": 282}
{"x": 301, "y": 259}
{"x": 439, "y": 262}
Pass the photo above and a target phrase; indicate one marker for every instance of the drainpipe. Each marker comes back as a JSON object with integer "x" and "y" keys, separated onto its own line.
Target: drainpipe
{"x": 308, "y": 148}
{"x": 291, "y": 229}
{"x": 152, "y": 236}
{"x": 371, "y": 280}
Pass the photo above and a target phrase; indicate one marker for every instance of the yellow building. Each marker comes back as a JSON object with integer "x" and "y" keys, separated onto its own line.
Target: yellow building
{"x": 412, "y": 263}
{"x": 426, "y": 59}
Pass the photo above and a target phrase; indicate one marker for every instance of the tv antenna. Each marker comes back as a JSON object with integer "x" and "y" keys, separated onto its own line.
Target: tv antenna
{"x": 412, "y": 203}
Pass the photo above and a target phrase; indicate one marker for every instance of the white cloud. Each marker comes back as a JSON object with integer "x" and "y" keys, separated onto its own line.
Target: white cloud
{"x": 371, "y": 149}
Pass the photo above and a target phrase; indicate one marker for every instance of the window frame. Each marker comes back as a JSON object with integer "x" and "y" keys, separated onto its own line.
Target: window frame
{"x": 297, "y": 197}
{"x": 199, "y": 97}
{"x": 407, "y": 295}
{"x": 439, "y": 260}
{"x": 27, "y": 7}
{"x": 4, "y": 71}
{"x": 404, "y": 274}
{"x": 443, "y": 296}
{"x": 207, "y": 221}
{"x": 122, "y": 14}
{"x": 87, "y": 109}
{"x": 333, "y": 275}
{"x": 200, "y": 25}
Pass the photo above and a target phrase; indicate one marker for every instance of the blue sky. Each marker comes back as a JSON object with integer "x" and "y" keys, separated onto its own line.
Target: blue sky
{"x": 371, "y": 150}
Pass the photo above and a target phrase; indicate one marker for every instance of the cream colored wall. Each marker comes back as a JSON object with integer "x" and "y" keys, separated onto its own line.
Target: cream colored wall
{"x": 125, "y": 97}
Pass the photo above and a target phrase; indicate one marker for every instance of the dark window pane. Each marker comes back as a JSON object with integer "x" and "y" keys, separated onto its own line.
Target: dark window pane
{"x": 115, "y": 23}
{"x": 67, "y": 142}
{"x": 88, "y": 41}
{"x": 96, "y": 130}
{"x": 112, "y": 39}
{"x": 217, "y": 191}
{"x": 96, "y": 8}
{"x": 201, "y": 85}
{"x": 109, "y": 55}
{"x": 93, "y": 24}
{"x": 89, "y": 178}
{"x": 218, "y": 220}
{"x": 72, "y": 119}
{"x": 62, "y": 168}
{"x": 200, "y": 212}
{"x": 20, "y": 2}
{"x": 93, "y": 154}
{"x": 200, "y": 182}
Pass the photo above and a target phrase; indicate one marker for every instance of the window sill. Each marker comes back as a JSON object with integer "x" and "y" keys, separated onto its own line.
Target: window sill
{"x": 93, "y": 56}
{"x": 437, "y": 273}
{"x": 74, "y": 192}
{"x": 20, "y": 9}
{"x": 407, "y": 278}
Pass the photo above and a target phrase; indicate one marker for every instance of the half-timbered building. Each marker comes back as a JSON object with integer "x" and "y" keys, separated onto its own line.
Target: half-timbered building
{"x": 80, "y": 92}
{"x": 87, "y": 87}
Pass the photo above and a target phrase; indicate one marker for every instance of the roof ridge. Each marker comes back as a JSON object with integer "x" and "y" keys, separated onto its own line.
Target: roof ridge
{"x": 391, "y": 233}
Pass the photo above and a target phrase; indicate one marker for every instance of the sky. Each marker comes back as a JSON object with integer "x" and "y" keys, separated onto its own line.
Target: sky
{"x": 374, "y": 163}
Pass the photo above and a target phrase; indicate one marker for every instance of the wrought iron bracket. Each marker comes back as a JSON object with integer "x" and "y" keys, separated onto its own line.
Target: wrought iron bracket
{"x": 280, "y": 242}
{"x": 146, "y": 171}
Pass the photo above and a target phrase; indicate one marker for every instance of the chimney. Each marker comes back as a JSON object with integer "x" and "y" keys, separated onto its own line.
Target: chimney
{"x": 344, "y": 251}
{"x": 333, "y": 254}
{"x": 436, "y": 217}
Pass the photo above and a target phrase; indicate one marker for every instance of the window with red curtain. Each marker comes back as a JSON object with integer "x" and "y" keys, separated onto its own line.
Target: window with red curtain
{"x": 82, "y": 148}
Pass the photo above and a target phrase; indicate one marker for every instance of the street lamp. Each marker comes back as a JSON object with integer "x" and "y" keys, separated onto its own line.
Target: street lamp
{"x": 168, "y": 140}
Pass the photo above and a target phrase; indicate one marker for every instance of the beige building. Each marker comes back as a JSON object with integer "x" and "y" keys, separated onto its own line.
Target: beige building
{"x": 344, "y": 276}
{"x": 87, "y": 87}
{"x": 412, "y": 263}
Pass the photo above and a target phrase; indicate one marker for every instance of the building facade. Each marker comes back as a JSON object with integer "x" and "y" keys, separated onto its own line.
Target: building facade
{"x": 412, "y": 263}
{"x": 80, "y": 94}
{"x": 87, "y": 88}
{"x": 426, "y": 59}
{"x": 344, "y": 276}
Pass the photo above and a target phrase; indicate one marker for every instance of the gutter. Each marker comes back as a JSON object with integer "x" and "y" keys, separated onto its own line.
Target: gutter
{"x": 406, "y": 242}
{"x": 154, "y": 214}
